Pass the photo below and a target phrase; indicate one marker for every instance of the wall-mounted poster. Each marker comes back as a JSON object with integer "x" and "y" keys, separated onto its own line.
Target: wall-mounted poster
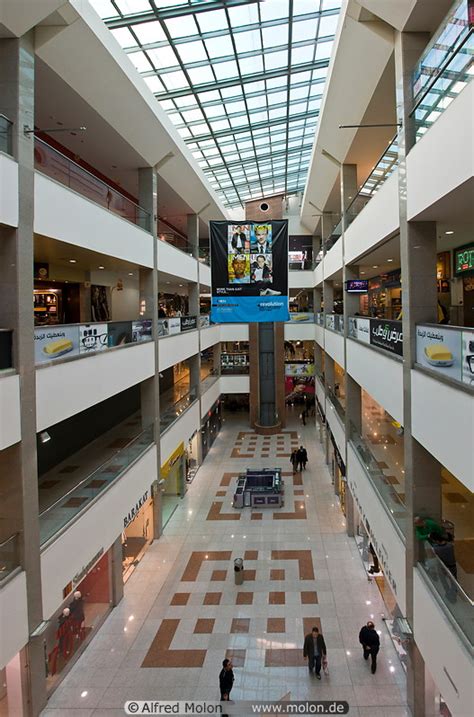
{"x": 359, "y": 329}
{"x": 188, "y": 323}
{"x": 120, "y": 333}
{"x": 54, "y": 342}
{"x": 174, "y": 325}
{"x": 387, "y": 335}
{"x": 468, "y": 357}
{"x": 440, "y": 349}
{"x": 99, "y": 303}
{"x": 142, "y": 330}
{"x": 249, "y": 271}
{"x": 93, "y": 337}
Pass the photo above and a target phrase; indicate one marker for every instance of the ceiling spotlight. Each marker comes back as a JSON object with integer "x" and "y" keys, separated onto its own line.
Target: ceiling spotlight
{"x": 375, "y": 266}
{"x": 44, "y": 436}
{"x": 449, "y": 232}
{"x": 130, "y": 273}
{"x": 73, "y": 261}
{"x": 101, "y": 267}
{"x": 389, "y": 260}
{"x": 362, "y": 272}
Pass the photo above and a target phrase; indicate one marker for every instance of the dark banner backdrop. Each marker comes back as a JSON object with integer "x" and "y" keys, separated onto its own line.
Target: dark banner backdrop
{"x": 249, "y": 271}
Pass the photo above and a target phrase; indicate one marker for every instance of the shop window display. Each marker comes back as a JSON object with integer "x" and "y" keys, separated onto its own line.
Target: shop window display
{"x": 137, "y": 535}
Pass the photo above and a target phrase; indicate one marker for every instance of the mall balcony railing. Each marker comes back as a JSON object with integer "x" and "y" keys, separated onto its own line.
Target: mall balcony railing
{"x": 234, "y": 370}
{"x": 301, "y": 317}
{"x": 9, "y": 556}
{"x": 445, "y": 68}
{"x": 389, "y": 496}
{"x": 171, "y": 412}
{"x": 209, "y": 380}
{"x": 333, "y": 237}
{"x": 319, "y": 318}
{"x": 179, "y": 242}
{"x": 335, "y": 322}
{"x": 58, "y": 166}
{"x": 6, "y": 357}
{"x": 204, "y": 255}
{"x": 6, "y": 139}
{"x": 340, "y": 410}
{"x": 60, "y": 513}
{"x": 180, "y": 324}
{"x": 303, "y": 265}
{"x": 452, "y": 597}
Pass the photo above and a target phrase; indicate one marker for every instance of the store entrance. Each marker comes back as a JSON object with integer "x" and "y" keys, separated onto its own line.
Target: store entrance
{"x": 136, "y": 538}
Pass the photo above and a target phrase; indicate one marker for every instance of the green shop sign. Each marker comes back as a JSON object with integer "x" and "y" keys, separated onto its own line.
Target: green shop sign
{"x": 464, "y": 260}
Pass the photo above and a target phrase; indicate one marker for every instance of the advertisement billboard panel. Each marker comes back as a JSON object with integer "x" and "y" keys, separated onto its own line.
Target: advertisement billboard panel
{"x": 387, "y": 335}
{"x": 249, "y": 271}
{"x": 52, "y": 342}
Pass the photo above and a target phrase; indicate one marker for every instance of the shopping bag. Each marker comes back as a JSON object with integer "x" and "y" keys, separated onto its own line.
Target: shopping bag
{"x": 325, "y": 666}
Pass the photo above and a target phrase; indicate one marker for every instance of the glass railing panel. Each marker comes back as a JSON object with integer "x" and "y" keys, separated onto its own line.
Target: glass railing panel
{"x": 384, "y": 488}
{"x": 209, "y": 380}
{"x": 6, "y": 358}
{"x": 204, "y": 255}
{"x": 337, "y": 405}
{"x": 179, "y": 242}
{"x": 302, "y": 317}
{"x": 169, "y": 413}
{"x": 335, "y": 322}
{"x": 319, "y": 318}
{"x": 6, "y": 140}
{"x": 58, "y": 515}
{"x": 57, "y": 166}
{"x": 445, "y": 68}
{"x": 332, "y": 239}
{"x": 455, "y": 600}
{"x": 447, "y": 351}
{"x": 9, "y": 556}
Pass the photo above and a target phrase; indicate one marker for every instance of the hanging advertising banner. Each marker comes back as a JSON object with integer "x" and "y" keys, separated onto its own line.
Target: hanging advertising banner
{"x": 387, "y": 335}
{"x": 52, "y": 342}
{"x": 188, "y": 323}
{"x": 299, "y": 368}
{"x": 359, "y": 329}
{"x": 447, "y": 351}
{"x": 249, "y": 271}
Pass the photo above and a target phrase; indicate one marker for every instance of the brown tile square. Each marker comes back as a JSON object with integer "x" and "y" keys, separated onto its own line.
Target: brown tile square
{"x": 204, "y": 626}
{"x": 237, "y": 657}
{"x": 221, "y": 493}
{"x": 309, "y": 623}
{"x": 226, "y": 479}
{"x": 212, "y": 599}
{"x": 283, "y": 657}
{"x": 180, "y": 599}
{"x": 75, "y": 502}
{"x": 256, "y": 516}
{"x": 392, "y": 480}
{"x": 69, "y": 469}
{"x": 47, "y": 484}
{"x": 283, "y": 455}
{"x": 297, "y": 479}
{"x": 276, "y": 574}
{"x": 249, "y": 575}
{"x": 309, "y": 597}
{"x": 159, "y": 654}
{"x": 382, "y": 464}
{"x": 97, "y": 483}
{"x": 276, "y": 598}
{"x": 299, "y": 491}
{"x": 218, "y": 575}
{"x": 244, "y": 599}
{"x": 275, "y": 624}
{"x": 251, "y": 555}
{"x": 240, "y": 624}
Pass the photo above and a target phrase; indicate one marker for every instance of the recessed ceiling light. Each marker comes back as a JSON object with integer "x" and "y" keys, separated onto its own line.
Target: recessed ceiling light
{"x": 130, "y": 273}
{"x": 101, "y": 267}
{"x": 73, "y": 261}
{"x": 449, "y": 232}
{"x": 375, "y": 266}
{"x": 181, "y": 284}
{"x": 362, "y": 272}
{"x": 389, "y": 259}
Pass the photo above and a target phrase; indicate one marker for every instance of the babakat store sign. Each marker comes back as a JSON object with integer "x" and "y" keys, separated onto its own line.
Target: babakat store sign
{"x": 360, "y": 329}
{"x": 387, "y": 335}
{"x": 449, "y": 352}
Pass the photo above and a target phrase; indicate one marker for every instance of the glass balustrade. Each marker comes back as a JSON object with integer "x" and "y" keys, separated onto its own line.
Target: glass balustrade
{"x": 6, "y": 140}
{"x": 453, "y": 597}
{"x": 66, "y": 508}
{"x": 6, "y": 359}
{"x": 9, "y": 556}
{"x": 384, "y": 488}
{"x": 209, "y": 380}
{"x": 335, "y": 322}
{"x": 445, "y": 68}
{"x": 57, "y": 166}
{"x": 179, "y": 242}
{"x": 337, "y": 404}
{"x": 171, "y": 411}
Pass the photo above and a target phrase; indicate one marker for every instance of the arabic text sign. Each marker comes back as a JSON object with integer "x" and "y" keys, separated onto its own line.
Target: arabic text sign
{"x": 446, "y": 351}
{"x": 52, "y": 342}
{"x": 387, "y": 335}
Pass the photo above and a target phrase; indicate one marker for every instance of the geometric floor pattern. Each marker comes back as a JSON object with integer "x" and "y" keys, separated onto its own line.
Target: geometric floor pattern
{"x": 182, "y": 613}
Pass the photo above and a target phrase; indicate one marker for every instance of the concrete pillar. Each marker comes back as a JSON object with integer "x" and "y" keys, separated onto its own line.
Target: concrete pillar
{"x": 17, "y": 73}
{"x": 193, "y": 234}
{"x": 149, "y": 289}
{"x": 328, "y": 298}
{"x": 419, "y": 302}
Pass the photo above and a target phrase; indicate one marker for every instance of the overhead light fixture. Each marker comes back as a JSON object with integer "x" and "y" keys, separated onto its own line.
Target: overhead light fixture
{"x": 449, "y": 232}
{"x": 375, "y": 266}
{"x": 73, "y": 261}
{"x": 44, "y": 436}
{"x": 130, "y": 273}
{"x": 101, "y": 267}
{"x": 389, "y": 260}
{"x": 362, "y": 272}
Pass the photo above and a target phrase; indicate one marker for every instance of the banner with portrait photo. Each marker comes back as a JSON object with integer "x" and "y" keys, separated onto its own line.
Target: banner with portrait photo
{"x": 249, "y": 271}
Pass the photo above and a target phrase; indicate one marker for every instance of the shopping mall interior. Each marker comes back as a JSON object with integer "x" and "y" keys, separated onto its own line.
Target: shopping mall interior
{"x": 242, "y": 404}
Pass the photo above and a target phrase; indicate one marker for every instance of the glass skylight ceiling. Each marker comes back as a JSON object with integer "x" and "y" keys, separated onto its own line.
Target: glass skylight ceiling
{"x": 241, "y": 81}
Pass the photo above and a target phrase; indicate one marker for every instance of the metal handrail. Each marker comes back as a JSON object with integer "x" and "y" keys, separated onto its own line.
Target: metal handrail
{"x": 7, "y": 540}
{"x": 433, "y": 556}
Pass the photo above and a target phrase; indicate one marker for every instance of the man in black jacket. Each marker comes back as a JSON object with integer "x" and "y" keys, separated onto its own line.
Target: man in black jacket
{"x": 226, "y": 679}
{"x": 370, "y": 642}
{"x": 314, "y": 649}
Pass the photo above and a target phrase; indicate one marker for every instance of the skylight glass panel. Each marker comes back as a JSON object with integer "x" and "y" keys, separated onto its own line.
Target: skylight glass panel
{"x": 250, "y": 65}
{"x": 192, "y": 115}
{"x": 214, "y": 111}
{"x": 256, "y": 117}
{"x": 277, "y": 112}
{"x": 200, "y": 75}
{"x": 234, "y": 91}
{"x": 274, "y": 60}
{"x": 210, "y": 21}
{"x": 192, "y": 51}
{"x": 298, "y": 108}
{"x": 166, "y": 104}
{"x": 274, "y": 36}
{"x": 133, "y": 6}
{"x": 235, "y": 107}
{"x": 256, "y": 102}
{"x": 163, "y": 57}
{"x": 154, "y": 83}
{"x": 328, "y": 25}
{"x": 330, "y": 4}
{"x": 209, "y": 96}
{"x": 124, "y": 37}
{"x": 277, "y": 98}
{"x": 323, "y": 50}
{"x": 277, "y": 82}
{"x": 247, "y": 41}
{"x": 219, "y": 46}
{"x": 140, "y": 60}
{"x": 273, "y": 10}
{"x": 185, "y": 101}
{"x": 300, "y": 55}
{"x": 148, "y": 32}
{"x": 219, "y": 125}
{"x": 184, "y": 132}
{"x": 174, "y": 80}
{"x": 250, "y": 87}
{"x": 304, "y": 30}
{"x": 243, "y": 15}
{"x": 298, "y": 77}
{"x": 299, "y": 93}
{"x": 240, "y": 121}
{"x": 225, "y": 70}
{"x": 183, "y": 26}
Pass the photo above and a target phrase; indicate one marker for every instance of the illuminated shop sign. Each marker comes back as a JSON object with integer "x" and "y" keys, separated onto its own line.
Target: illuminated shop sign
{"x": 464, "y": 260}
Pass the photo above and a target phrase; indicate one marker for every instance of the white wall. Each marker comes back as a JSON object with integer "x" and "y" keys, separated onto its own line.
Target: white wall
{"x": 180, "y": 431}
{"x": 319, "y": 334}
{"x": 443, "y": 158}
{"x": 235, "y": 384}
{"x": 65, "y": 389}
{"x": 210, "y": 336}
{"x": 385, "y": 538}
{"x": 8, "y": 191}
{"x": 98, "y": 527}
{"x": 333, "y": 261}
{"x": 443, "y": 422}
{"x": 204, "y": 274}
{"x": 377, "y": 221}
{"x": 380, "y": 375}
{"x": 443, "y": 651}
{"x": 318, "y": 274}
{"x": 67, "y": 216}
{"x": 176, "y": 262}
{"x": 295, "y": 331}
{"x": 334, "y": 345}
{"x": 234, "y": 332}
{"x": 176, "y": 348}
{"x": 209, "y": 397}
{"x": 300, "y": 279}
{"x": 10, "y": 428}
{"x": 336, "y": 426}
{"x": 13, "y": 618}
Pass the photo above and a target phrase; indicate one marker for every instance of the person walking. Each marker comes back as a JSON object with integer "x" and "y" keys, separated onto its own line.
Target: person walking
{"x": 314, "y": 650}
{"x": 370, "y": 641}
{"x": 294, "y": 459}
{"x": 299, "y": 459}
{"x": 304, "y": 457}
{"x": 226, "y": 679}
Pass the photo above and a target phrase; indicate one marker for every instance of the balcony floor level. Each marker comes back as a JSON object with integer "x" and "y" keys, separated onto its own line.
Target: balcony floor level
{"x": 182, "y": 613}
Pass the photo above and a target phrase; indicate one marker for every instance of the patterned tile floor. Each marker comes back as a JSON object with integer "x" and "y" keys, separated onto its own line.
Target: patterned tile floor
{"x": 182, "y": 613}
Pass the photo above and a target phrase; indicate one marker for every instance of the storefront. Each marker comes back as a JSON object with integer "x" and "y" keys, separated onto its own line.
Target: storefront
{"x": 463, "y": 262}
{"x": 12, "y": 679}
{"x": 192, "y": 456}
{"x": 172, "y": 483}
{"x": 137, "y": 534}
{"x": 235, "y": 358}
{"x": 384, "y": 298}
{"x": 87, "y": 601}
{"x": 338, "y": 473}
{"x": 210, "y": 427}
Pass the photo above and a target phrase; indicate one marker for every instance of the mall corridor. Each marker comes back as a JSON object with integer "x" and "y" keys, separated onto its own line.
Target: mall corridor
{"x": 182, "y": 613}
